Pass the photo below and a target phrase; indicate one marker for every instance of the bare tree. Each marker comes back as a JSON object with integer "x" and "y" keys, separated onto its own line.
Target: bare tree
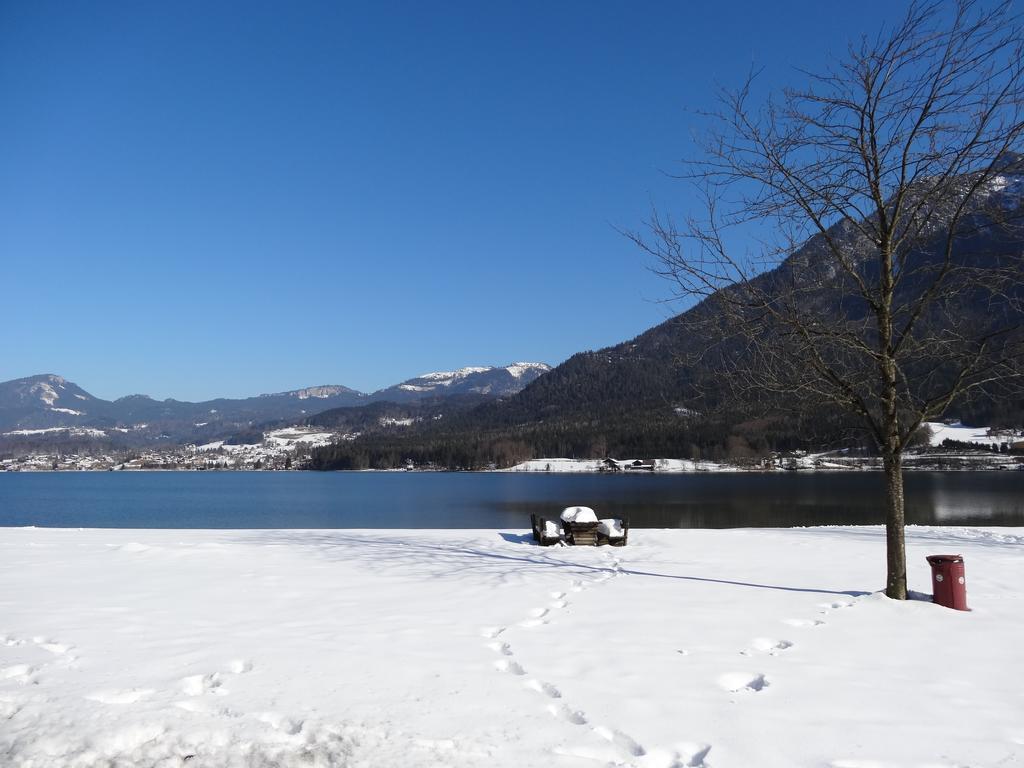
{"x": 891, "y": 286}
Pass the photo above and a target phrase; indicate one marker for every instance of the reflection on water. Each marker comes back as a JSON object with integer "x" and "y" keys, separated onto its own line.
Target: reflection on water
{"x": 982, "y": 497}
{"x": 794, "y": 499}
{"x": 498, "y": 500}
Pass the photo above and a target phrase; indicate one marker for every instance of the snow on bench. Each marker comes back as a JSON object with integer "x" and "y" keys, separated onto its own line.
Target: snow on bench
{"x": 611, "y": 527}
{"x": 579, "y": 515}
{"x": 580, "y": 526}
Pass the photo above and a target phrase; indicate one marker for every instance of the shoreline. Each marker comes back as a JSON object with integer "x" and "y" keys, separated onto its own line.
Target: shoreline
{"x": 723, "y": 470}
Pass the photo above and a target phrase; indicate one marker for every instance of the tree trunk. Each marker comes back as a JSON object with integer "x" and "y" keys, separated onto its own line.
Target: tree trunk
{"x": 896, "y": 554}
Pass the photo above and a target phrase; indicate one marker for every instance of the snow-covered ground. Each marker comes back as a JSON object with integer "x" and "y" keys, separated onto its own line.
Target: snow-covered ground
{"x": 293, "y": 436}
{"x": 71, "y": 431}
{"x": 600, "y": 465}
{"x": 287, "y": 439}
{"x": 980, "y": 435}
{"x": 477, "y": 648}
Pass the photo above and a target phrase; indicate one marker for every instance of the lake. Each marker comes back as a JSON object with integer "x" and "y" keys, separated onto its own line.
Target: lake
{"x": 494, "y": 500}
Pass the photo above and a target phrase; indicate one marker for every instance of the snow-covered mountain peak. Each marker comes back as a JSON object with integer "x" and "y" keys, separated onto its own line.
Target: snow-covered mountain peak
{"x": 319, "y": 393}
{"x": 521, "y": 369}
{"x": 1007, "y": 185}
{"x": 44, "y": 400}
{"x": 45, "y": 388}
{"x": 470, "y": 380}
{"x": 322, "y": 392}
{"x": 45, "y": 392}
{"x": 441, "y": 377}
{"x": 446, "y": 378}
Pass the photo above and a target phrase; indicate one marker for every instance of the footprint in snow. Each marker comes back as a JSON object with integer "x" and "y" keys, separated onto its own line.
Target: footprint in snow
{"x": 239, "y": 666}
{"x": 291, "y": 726}
{"x": 681, "y": 755}
{"x": 503, "y": 648}
{"x": 563, "y": 712}
{"x": 770, "y": 646}
{"x": 19, "y": 672}
{"x": 197, "y": 685}
{"x": 57, "y": 649}
{"x": 560, "y": 604}
{"x": 557, "y": 595}
{"x": 531, "y": 623}
{"x": 835, "y": 606}
{"x": 736, "y": 682}
{"x": 122, "y": 696}
{"x": 545, "y": 688}
{"x": 277, "y": 721}
{"x": 804, "y": 622}
{"x": 512, "y": 667}
{"x": 538, "y": 613}
{"x": 621, "y": 740}
{"x": 491, "y": 632}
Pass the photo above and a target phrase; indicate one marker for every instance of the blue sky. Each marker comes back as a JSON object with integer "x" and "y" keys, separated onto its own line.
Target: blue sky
{"x": 214, "y": 199}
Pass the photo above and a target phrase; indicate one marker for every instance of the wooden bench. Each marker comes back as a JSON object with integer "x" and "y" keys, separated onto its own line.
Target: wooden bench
{"x": 590, "y": 532}
{"x": 580, "y": 534}
{"x": 615, "y": 541}
{"x": 541, "y": 533}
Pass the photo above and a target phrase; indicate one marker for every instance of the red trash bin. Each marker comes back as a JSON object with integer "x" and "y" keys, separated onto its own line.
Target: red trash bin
{"x": 949, "y": 586}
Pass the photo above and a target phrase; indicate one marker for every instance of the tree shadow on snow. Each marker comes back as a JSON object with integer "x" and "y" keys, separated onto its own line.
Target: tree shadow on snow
{"x": 940, "y": 537}
{"x": 517, "y": 538}
{"x": 813, "y": 590}
{"x": 452, "y": 557}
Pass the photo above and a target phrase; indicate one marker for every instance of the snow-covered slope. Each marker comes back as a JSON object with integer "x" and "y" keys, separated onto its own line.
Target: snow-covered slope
{"x": 478, "y": 380}
{"x": 45, "y": 401}
{"x": 939, "y": 432}
{"x": 1008, "y": 189}
{"x": 46, "y": 391}
{"x": 318, "y": 393}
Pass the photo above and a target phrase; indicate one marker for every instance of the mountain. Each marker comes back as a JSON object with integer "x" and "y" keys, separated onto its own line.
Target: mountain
{"x": 636, "y": 398}
{"x": 429, "y": 399}
{"x": 45, "y": 401}
{"x": 645, "y": 373}
{"x": 50, "y": 402}
{"x": 496, "y": 382}
{"x": 48, "y": 407}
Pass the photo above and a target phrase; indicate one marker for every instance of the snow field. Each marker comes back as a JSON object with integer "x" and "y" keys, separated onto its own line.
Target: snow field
{"x": 980, "y": 435}
{"x": 597, "y": 465}
{"x": 474, "y": 648}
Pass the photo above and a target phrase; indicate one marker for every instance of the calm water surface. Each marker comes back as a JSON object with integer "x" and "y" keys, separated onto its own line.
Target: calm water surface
{"x": 495, "y": 500}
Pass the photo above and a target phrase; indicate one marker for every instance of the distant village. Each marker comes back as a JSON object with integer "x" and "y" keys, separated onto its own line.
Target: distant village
{"x": 282, "y": 449}
{"x": 953, "y": 447}
{"x": 188, "y": 457}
